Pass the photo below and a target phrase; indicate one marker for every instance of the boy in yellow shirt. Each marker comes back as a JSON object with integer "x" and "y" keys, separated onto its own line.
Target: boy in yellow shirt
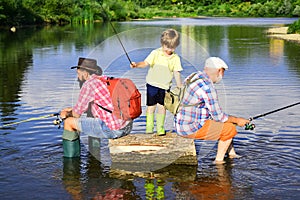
{"x": 163, "y": 64}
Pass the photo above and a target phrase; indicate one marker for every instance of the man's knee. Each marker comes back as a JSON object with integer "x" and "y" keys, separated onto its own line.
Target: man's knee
{"x": 228, "y": 132}
{"x": 231, "y": 127}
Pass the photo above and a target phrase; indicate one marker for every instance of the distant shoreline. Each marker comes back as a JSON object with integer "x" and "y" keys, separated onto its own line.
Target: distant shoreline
{"x": 281, "y": 33}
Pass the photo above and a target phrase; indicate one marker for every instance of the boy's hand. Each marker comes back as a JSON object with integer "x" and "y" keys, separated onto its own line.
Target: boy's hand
{"x": 133, "y": 65}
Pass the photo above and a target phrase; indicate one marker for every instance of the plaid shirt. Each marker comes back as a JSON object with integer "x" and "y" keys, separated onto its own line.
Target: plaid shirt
{"x": 189, "y": 119}
{"x": 95, "y": 90}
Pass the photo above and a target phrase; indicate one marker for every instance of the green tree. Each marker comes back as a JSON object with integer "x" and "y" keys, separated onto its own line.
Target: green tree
{"x": 296, "y": 11}
{"x": 294, "y": 27}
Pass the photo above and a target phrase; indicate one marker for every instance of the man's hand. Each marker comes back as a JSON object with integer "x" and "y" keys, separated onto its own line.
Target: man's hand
{"x": 241, "y": 121}
{"x": 238, "y": 121}
{"x": 67, "y": 112}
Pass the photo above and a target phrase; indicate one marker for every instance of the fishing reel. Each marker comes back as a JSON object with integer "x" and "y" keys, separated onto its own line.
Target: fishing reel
{"x": 58, "y": 121}
{"x": 250, "y": 126}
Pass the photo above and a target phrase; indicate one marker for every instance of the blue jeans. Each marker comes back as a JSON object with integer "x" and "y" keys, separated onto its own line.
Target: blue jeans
{"x": 97, "y": 128}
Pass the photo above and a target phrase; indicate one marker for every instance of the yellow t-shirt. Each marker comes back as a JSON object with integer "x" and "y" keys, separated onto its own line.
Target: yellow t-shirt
{"x": 160, "y": 73}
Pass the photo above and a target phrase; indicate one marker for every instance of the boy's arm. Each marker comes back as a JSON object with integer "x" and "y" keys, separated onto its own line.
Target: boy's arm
{"x": 177, "y": 77}
{"x": 139, "y": 64}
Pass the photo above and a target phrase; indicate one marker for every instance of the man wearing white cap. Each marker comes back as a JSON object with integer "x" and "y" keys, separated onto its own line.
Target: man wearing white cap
{"x": 204, "y": 118}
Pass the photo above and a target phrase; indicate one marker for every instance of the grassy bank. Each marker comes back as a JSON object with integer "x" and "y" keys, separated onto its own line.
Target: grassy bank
{"x": 28, "y": 12}
{"x": 244, "y": 9}
{"x": 283, "y": 33}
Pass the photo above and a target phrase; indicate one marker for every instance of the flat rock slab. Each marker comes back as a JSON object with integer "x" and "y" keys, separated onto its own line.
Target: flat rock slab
{"x": 149, "y": 152}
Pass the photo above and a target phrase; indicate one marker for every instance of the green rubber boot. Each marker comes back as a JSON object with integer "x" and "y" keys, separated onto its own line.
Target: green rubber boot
{"x": 71, "y": 144}
{"x": 160, "y": 122}
{"x": 149, "y": 123}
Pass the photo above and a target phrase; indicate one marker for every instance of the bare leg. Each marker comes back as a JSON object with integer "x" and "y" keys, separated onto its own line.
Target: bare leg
{"x": 69, "y": 124}
{"x": 231, "y": 151}
{"x": 161, "y": 109}
{"x": 222, "y": 149}
{"x": 151, "y": 109}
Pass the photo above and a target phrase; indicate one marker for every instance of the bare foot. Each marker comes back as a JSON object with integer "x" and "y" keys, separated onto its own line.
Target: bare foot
{"x": 218, "y": 162}
{"x": 234, "y": 156}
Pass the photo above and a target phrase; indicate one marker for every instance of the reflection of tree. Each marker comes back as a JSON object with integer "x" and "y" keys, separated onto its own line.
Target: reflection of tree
{"x": 14, "y": 59}
{"x": 242, "y": 40}
{"x": 17, "y": 48}
{"x": 214, "y": 184}
{"x": 292, "y": 55}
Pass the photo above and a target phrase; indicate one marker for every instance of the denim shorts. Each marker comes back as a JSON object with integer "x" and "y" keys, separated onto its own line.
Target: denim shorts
{"x": 95, "y": 127}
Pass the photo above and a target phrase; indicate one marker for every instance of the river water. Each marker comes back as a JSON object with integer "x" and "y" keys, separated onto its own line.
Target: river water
{"x": 35, "y": 80}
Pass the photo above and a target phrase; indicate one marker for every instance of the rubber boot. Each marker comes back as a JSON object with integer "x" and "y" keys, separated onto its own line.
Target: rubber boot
{"x": 71, "y": 144}
{"x": 160, "y": 122}
{"x": 149, "y": 123}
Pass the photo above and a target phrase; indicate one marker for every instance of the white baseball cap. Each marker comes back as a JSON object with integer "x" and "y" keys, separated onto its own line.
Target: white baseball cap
{"x": 215, "y": 62}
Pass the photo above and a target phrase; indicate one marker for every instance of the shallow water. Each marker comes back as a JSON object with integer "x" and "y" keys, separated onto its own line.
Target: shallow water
{"x": 36, "y": 80}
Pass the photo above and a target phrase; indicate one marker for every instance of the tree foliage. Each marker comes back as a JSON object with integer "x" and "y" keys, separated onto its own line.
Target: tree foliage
{"x": 23, "y": 12}
{"x": 294, "y": 27}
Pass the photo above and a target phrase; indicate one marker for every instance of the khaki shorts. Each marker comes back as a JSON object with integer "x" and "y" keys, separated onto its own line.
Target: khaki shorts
{"x": 212, "y": 130}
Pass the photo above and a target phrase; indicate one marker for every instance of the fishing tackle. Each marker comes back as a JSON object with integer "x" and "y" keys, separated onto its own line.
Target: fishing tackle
{"x": 251, "y": 126}
{"x": 30, "y": 119}
{"x": 115, "y": 31}
{"x": 58, "y": 121}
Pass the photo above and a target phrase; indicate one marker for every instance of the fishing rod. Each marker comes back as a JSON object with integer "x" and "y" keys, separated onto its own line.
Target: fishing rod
{"x": 116, "y": 34}
{"x": 32, "y": 119}
{"x": 251, "y": 126}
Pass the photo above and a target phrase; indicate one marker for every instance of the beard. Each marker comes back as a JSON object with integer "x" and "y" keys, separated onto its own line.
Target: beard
{"x": 80, "y": 83}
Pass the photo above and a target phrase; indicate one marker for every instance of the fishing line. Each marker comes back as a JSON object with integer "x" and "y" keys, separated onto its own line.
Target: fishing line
{"x": 251, "y": 126}
{"x": 273, "y": 111}
{"x": 30, "y": 119}
{"x": 116, "y": 34}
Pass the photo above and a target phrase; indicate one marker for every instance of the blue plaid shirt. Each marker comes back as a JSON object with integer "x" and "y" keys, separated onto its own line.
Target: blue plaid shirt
{"x": 201, "y": 93}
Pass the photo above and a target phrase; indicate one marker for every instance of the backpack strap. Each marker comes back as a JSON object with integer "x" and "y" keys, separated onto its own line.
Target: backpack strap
{"x": 106, "y": 81}
{"x": 107, "y": 110}
{"x": 187, "y": 83}
{"x": 190, "y": 81}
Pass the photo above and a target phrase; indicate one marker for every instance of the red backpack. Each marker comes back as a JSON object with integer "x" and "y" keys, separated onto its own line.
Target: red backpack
{"x": 126, "y": 98}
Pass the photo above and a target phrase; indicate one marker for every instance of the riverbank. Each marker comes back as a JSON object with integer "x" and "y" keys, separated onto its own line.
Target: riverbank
{"x": 281, "y": 33}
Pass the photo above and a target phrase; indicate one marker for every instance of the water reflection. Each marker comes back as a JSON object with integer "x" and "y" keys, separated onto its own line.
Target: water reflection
{"x": 18, "y": 51}
{"x": 35, "y": 80}
{"x": 13, "y": 65}
{"x": 214, "y": 183}
{"x": 86, "y": 180}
